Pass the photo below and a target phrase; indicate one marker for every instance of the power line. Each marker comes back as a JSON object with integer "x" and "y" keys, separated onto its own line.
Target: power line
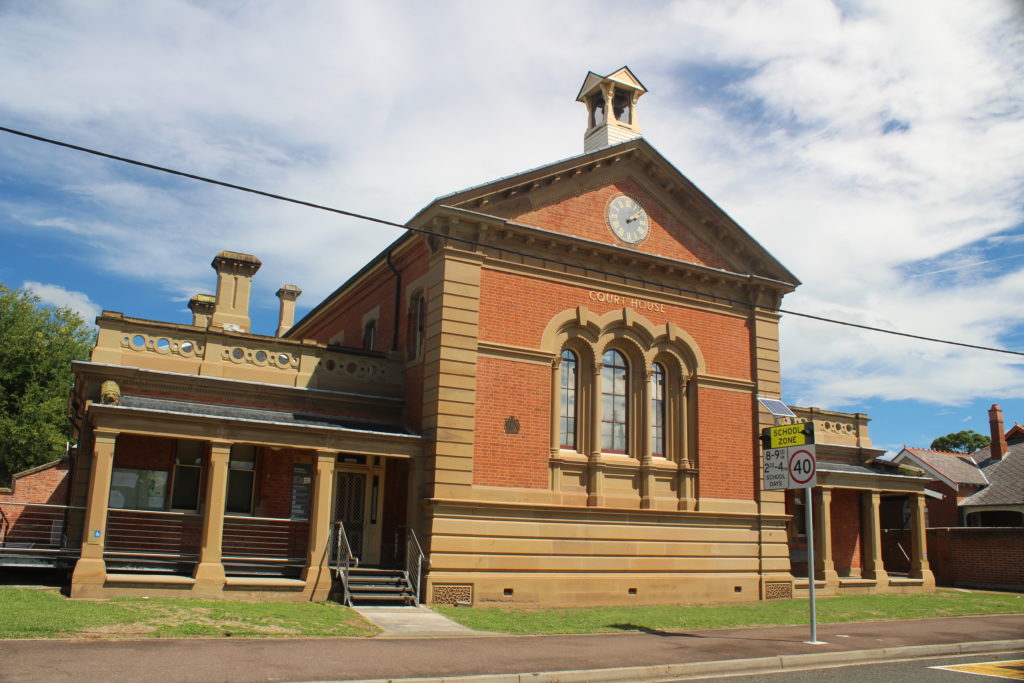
{"x": 403, "y": 226}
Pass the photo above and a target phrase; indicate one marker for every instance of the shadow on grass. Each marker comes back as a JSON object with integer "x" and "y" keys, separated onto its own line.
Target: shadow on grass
{"x": 723, "y": 635}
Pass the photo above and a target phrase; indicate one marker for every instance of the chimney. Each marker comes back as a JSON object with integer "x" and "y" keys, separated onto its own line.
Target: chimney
{"x": 202, "y": 306}
{"x": 287, "y": 294}
{"x": 995, "y": 425}
{"x": 234, "y": 285}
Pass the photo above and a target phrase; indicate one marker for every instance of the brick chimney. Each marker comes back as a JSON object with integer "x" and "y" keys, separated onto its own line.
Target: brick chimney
{"x": 234, "y": 285}
{"x": 995, "y": 425}
{"x": 286, "y": 318}
{"x": 202, "y": 306}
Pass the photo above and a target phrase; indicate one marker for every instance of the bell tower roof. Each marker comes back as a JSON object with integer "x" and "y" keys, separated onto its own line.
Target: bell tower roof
{"x": 611, "y": 108}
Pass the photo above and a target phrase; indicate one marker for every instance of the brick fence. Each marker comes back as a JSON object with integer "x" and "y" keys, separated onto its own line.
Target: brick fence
{"x": 986, "y": 557}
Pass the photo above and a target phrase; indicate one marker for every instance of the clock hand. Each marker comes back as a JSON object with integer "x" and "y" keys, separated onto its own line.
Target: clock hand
{"x": 634, "y": 217}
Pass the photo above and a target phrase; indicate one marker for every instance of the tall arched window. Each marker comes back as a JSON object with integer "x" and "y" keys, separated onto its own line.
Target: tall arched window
{"x": 658, "y": 409}
{"x": 567, "y": 400}
{"x": 614, "y": 402}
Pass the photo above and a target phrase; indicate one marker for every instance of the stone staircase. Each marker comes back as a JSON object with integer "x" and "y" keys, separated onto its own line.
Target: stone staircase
{"x": 369, "y": 586}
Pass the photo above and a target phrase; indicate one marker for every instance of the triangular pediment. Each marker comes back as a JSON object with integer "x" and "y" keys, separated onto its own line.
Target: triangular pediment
{"x": 572, "y": 197}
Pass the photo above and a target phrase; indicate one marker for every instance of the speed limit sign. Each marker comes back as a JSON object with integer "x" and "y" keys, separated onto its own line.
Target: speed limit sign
{"x": 802, "y": 467}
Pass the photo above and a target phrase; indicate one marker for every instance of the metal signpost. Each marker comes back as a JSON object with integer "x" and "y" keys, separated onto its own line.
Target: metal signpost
{"x": 790, "y": 463}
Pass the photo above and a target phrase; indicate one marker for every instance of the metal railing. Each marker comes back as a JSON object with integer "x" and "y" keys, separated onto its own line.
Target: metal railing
{"x": 344, "y": 561}
{"x": 35, "y": 533}
{"x": 414, "y": 561}
{"x": 264, "y": 545}
{"x": 152, "y": 540}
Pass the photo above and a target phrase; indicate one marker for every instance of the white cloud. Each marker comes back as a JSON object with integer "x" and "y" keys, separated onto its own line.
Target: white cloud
{"x": 55, "y": 295}
{"x": 379, "y": 107}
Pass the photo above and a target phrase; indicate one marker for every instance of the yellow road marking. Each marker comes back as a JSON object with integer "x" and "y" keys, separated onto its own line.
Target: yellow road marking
{"x": 1013, "y": 669}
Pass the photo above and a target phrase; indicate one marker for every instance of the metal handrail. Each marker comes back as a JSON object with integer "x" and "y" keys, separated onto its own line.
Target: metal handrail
{"x": 414, "y": 561}
{"x": 344, "y": 561}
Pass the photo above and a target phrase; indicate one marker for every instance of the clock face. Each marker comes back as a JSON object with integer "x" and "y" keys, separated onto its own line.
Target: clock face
{"x": 628, "y": 220}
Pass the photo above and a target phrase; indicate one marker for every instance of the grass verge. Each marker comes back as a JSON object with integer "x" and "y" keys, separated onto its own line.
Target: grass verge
{"x": 31, "y": 613}
{"x": 733, "y": 615}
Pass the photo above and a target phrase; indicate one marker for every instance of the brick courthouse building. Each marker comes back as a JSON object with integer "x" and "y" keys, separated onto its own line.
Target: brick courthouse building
{"x": 552, "y": 381}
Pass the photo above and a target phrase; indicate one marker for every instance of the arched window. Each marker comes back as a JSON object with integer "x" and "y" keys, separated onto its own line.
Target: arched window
{"x": 658, "y": 410}
{"x": 614, "y": 402}
{"x": 567, "y": 400}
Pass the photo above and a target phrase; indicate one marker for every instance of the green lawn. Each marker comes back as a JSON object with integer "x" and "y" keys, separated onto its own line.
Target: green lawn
{"x": 687, "y": 617}
{"x": 31, "y": 613}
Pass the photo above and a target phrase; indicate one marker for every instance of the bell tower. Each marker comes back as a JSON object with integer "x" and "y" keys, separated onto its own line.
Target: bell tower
{"x": 611, "y": 108}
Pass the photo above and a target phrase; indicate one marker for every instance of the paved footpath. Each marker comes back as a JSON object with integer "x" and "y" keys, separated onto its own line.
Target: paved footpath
{"x": 498, "y": 659}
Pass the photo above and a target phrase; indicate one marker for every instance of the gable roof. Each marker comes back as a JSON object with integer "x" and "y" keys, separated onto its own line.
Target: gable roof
{"x": 622, "y": 75}
{"x": 1006, "y": 476}
{"x": 952, "y": 468}
{"x": 707, "y": 221}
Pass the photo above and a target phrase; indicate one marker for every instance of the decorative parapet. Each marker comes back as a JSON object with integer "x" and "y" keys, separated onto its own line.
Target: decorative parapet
{"x": 187, "y": 349}
{"x": 836, "y": 428}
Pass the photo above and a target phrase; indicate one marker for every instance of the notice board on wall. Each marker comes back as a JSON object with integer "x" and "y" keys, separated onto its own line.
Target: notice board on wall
{"x": 302, "y": 484}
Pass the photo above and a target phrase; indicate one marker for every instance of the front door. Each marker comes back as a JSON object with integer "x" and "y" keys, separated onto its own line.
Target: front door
{"x": 350, "y": 508}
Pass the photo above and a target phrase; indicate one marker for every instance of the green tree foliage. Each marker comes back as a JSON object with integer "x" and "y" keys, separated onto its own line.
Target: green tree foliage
{"x": 37, "y": 345}
{"x": 966, "y": 441}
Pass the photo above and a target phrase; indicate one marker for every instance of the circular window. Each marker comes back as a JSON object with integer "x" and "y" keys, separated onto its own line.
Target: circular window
{"x": 138, "y": 341}
{"x": 187, "y": 347}
{"x": 163, "y": 344}
{"x": 261, "y": 356}
{"x": 237, "y": 353}
{"x": 283, "y": 359}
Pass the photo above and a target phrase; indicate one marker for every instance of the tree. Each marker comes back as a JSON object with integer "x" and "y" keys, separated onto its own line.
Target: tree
{"x": 37, "y": 345}
{"x": 966, "y": 441}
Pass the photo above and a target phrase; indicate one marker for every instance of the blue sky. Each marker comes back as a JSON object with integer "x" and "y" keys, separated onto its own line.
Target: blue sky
{"x": 876, "y": 148}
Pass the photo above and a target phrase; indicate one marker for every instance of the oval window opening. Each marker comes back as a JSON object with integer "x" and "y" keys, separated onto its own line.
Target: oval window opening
{"x": 138, "y": 341}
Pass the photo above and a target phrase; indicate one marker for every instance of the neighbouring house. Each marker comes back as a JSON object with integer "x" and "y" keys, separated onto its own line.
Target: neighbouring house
{"x": 982, "y": 489}
{"x": 544, "y": 393}
{"x": 34, "y": 512}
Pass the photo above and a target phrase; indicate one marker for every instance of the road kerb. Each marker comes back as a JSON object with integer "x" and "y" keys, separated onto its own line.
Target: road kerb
{"x": 756, "y": 665}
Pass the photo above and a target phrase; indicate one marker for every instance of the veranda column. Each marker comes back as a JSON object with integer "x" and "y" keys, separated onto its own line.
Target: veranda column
{"x": 90, "y": 570}
{"x": 874, "y": 567}
{"x": 919, "y": 542}
{"x": 209, "y": 573}
{"x": 824, "y": 561}
{"x": 317, "y": 573}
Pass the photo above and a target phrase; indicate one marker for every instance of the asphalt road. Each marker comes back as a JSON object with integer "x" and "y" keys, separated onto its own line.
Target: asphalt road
{"x": 904, "y": 671}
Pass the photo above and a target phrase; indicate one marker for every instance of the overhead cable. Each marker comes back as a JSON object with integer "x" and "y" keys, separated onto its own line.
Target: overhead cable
{"x": 410, "y": 228}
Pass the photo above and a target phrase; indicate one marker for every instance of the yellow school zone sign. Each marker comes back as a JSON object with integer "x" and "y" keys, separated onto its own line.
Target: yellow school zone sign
{"x": 799, "y": 434}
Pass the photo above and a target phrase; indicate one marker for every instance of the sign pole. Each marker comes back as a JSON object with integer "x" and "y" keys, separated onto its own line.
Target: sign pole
{"x": 809, "y": 507}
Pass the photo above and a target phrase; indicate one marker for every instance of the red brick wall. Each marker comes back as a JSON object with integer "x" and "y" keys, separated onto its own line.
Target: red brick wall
{"x": 982, "y": 557}
{"x": 846, "y": 537}
{"x": 516, "y": 310}
{"x": 273, "y": 494}
{"x": 508, "y": 389}
{"x": 727, "y": 458}
{"x": 42, "y": 486}
{"x": 943, "y": 512}
{"x": 48, "y": 486}
{"x": 584, "y": 216}
{"x": 145, "y": 452}
{"x": 347, "y": 313}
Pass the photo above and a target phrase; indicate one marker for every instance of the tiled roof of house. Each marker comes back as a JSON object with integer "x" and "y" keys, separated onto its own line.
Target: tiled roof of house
{"x": 1006, "y": 476}
{"x": 954, "y": 466}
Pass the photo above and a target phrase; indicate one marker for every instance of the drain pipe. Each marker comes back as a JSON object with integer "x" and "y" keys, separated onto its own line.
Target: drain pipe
{"x": 398, "y": 300}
